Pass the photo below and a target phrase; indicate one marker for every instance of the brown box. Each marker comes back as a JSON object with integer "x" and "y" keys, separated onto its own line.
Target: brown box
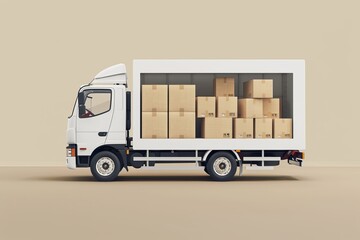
{"x": 181, "y": 98}
{"x": 250, "y": 108}
{"x": 181, "y": 124}
{"x": 154, "y": 98}
{"x": 227, "y": 107}
{"x": 282, "y": 128}
{"x": 154, "y": 125}
{"x": 263, "y": 128}
{"x": 224, "y": 86}
{"x": 258, "y": 88}
{"x": 205, "y": 107}
{"x": 216, "y": 128}
{"x": 271, "y": 107}
{"x": 243, "y": 128}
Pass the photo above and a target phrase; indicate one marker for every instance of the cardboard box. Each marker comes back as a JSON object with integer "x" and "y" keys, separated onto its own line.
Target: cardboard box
{"x": 154, "y": 98}
{"x": 243, "y": 128}
{"x": 282, "y": 127}
{"x": 250, "y": 108}
{"x": 205, "y": 107}
{"x": 263, "y": 128}
{"x": 227, "y": 107}
{"x": 271, "y": 107}
{"x": 258, "y": 88}
{"x": 181, "y": 124}
{"x": 181, "y": 98}
{"x": 154, "y": 125}
{"x": 216, "y": 128}
{"x": 224, "y": 86}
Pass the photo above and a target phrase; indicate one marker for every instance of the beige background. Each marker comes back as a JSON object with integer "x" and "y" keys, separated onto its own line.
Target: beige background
{"x": 49, "y": 48}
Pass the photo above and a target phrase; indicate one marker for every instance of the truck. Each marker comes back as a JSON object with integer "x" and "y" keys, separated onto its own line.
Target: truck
{"x": 105, "y": 112}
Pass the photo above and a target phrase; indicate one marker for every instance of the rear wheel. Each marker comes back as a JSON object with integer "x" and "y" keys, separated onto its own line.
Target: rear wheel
{"x": 221, "y": 166}
{"x": 105, "y": 166}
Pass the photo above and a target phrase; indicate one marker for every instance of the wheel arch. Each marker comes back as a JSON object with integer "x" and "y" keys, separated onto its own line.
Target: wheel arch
{"x": 118, "y": 150}
{"x": 209, "y": 153}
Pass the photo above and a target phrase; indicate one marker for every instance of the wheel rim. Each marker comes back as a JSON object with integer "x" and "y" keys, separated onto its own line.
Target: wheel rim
{"x": 105, "y": 166}
{"x": 222, "y": 166}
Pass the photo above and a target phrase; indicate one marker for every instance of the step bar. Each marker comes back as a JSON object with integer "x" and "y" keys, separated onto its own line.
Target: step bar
{"x": 160, "y": 159}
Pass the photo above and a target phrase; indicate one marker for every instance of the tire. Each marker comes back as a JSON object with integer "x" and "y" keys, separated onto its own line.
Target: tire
{"x": 105, "y": 166}
{"x": 206, "y": 171}
{"x": 221, "y": 166}
{"x": 136, "y": 164}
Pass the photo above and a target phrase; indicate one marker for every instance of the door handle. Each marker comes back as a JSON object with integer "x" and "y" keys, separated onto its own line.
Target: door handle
{"x": 102, "y": 134}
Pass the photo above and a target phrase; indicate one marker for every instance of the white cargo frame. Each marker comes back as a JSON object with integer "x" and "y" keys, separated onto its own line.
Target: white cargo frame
{"x": 295, "y": 67}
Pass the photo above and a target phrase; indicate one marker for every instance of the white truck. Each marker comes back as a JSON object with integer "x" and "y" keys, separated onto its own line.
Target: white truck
{"x": 98, "y": 132}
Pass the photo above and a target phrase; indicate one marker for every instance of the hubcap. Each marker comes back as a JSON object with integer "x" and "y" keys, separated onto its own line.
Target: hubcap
{"x": 222, "y": 166}
{"x": 105, "y": 166}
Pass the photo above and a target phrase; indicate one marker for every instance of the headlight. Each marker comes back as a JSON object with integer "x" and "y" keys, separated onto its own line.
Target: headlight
{"x": 70, "y": 152}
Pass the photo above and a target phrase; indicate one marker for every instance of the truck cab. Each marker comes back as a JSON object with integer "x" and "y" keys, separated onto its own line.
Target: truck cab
{"x": 98, "y": 119}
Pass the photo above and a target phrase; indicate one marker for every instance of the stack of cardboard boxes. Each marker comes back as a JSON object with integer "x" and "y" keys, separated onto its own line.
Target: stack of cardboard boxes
{"x": 181, "y": 111}
{"x": 259, "y": 113}
{"x": 154, "y": 111}
{"x": 168, "y": 111}
{"x": 223, "y": 106}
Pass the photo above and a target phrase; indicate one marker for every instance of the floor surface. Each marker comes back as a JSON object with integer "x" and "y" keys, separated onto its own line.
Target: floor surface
{"x": 287, "y": 203}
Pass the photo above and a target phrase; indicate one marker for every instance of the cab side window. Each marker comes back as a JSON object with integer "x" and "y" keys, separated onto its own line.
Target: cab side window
{"x": 96, "y": 102}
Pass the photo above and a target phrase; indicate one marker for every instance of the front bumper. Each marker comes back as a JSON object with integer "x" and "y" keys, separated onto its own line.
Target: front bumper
{"x": 71, "y": 162}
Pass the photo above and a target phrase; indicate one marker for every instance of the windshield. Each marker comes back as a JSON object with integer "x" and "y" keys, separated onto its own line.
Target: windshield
{"x": 72, "y": 112}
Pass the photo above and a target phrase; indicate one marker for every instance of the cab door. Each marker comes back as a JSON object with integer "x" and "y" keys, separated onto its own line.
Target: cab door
{"x": 94, "y": 119}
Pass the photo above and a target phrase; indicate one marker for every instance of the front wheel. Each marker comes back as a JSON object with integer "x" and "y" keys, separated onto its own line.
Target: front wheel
{"x": 105, "y": 166}
{"x": 221, "y": 166}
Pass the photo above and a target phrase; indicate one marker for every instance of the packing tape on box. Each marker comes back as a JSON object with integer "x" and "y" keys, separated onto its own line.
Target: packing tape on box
{"x": 181, "y": 136}
{"x": 153, "y": 136}
{"x": 181, "y": 113}
{"x": 154, "y": 87}
{"x": 153, "y": 114}
{"x": 154, "y": 110}
{"x": 181, "y": 87}
{"x": 181, "y": 110}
